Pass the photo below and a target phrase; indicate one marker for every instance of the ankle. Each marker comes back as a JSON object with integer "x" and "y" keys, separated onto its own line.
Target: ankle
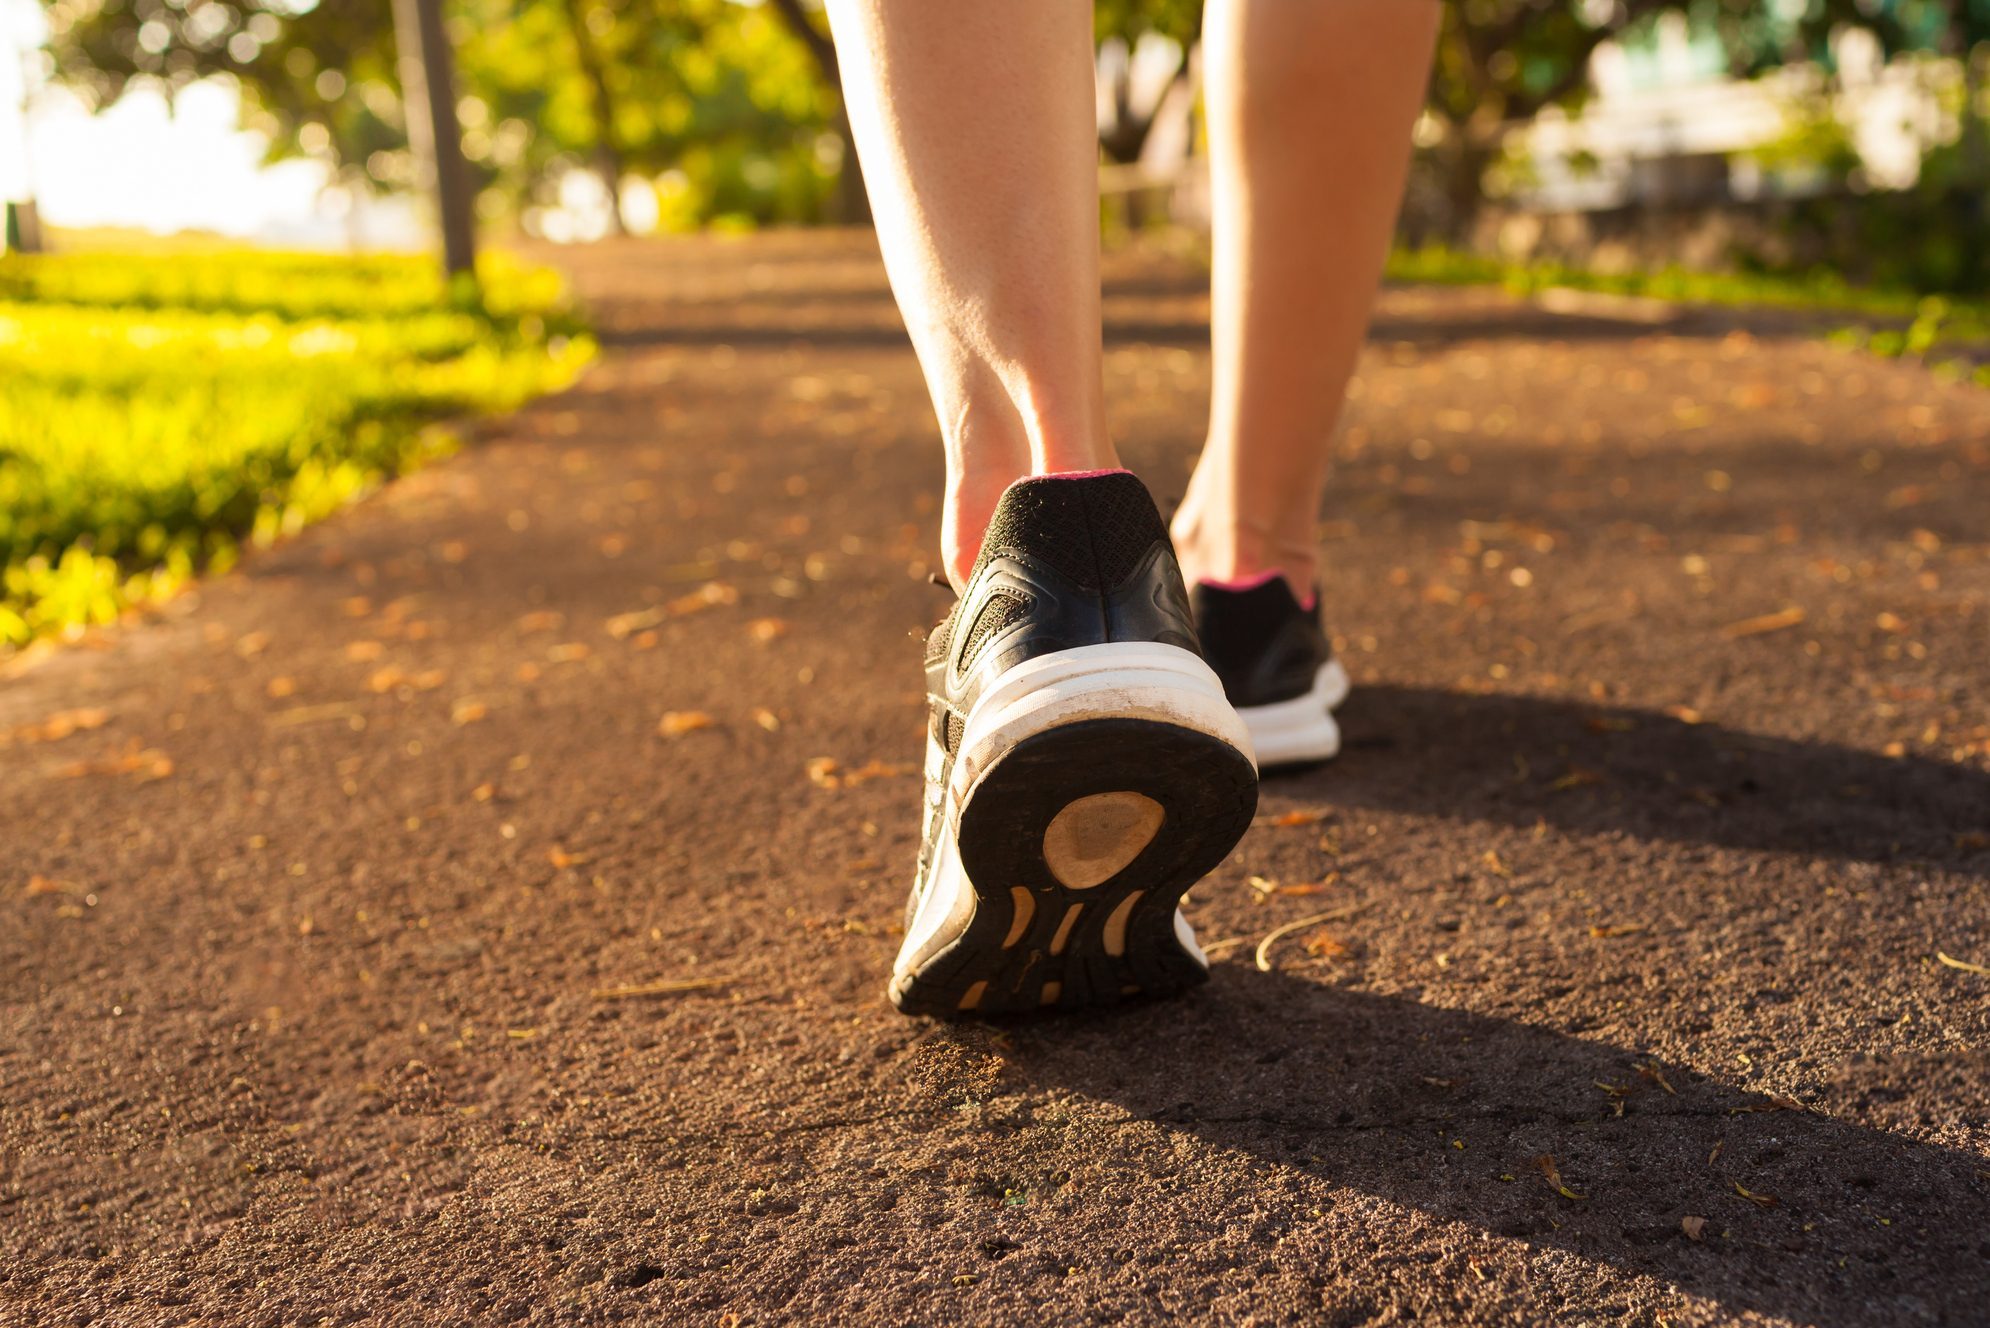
{"x": 971, "y": 501}
{"x": 1236, "y": 553}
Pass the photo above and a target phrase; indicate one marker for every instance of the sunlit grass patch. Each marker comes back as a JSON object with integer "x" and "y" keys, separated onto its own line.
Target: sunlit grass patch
{"x": 156, "y": 411}
{"x": 1889, "y": 322}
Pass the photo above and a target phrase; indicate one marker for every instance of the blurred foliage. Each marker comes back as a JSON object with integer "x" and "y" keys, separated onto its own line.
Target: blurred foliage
{"x": 1890, "y": 321}
{"x": 1130, "y": 20}
{"x": 717, "y": 97}
{"x": 1933, "y": 236}
{"x": 153, "y": 412}
{"x": 731, "y": 107}
{"x": 720, "y": 98}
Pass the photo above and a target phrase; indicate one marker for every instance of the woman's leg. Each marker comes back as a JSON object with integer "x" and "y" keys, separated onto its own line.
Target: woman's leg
{"x": 976, "y": 125}
{"x": 1310, "y": 105}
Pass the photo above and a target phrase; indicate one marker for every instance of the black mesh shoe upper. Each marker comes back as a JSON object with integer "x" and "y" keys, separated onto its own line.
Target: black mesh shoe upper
{"x": 1067, "y": 561}
{"x": 1263, "y": 644}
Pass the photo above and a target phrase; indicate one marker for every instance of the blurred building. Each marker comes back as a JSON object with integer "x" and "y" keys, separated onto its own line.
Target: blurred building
{"x": 1668, "y": 127}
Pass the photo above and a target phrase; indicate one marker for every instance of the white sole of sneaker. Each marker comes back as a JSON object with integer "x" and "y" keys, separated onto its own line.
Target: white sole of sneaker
{"x": 1092, "y": 788}
{"x": 1302, "y": 730}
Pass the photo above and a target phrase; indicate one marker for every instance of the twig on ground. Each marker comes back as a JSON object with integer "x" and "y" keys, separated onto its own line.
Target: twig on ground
{"x": 1331, "y": 915}
{"x": 664, "y": 987}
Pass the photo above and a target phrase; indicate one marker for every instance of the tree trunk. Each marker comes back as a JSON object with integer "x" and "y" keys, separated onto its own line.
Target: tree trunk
{"x": 23, "y": 228}
{"x": 1462, "y": 165}
{"x": 607, "y": 156}
{"x": 851, "y": 204}
{"x": 428, "y": 97}
{"x": 1126, "y": 137}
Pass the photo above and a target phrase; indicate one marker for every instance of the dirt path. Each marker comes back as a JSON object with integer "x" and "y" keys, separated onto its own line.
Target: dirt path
{"x": 1669, "y": 775}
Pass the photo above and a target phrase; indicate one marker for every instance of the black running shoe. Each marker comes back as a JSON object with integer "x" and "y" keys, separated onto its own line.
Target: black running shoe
{"x": 1083, "y": 768}
{"x": 1277, "y": 667}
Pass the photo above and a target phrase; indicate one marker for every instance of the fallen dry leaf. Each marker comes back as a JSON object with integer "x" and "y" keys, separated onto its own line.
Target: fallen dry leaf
{"x": 1323, "y": 944}
{"x": 624, "y": 625}
{"x": 58, "y": 726}
{"x": 1263, "y": 956}
{"x": 1908, "y": 495}
{"x": 1656, "y": 1075}
{"x": 1768, "y": 622}
{"x": 677, "y": 723}
{"x": 1759, "y": 1200}
{"x": 1694, "y": 1227}
{"x": 544, "y": 620}
{"x": 827, "y": 772}
{"x": 1962, "y": 964}
{"x": 709, "y": 595}
{"x": 147, "y": 763}
{"x": 312, "y": 714}
{"x": 1546, "y": 1165}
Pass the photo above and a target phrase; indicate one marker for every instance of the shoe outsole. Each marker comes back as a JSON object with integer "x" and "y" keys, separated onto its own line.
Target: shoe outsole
{"x": 1036, "y": 943}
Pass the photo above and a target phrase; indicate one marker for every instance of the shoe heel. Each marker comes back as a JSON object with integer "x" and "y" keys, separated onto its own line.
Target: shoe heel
{"x": 1077, "y": 846}
{"x": 1096, "y": 837}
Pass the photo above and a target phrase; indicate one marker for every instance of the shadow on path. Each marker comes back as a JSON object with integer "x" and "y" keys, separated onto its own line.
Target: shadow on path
{"x": 1596, "y": 769}
{"x": 828, "y": 319}
{"x": 1450, "y": 1112}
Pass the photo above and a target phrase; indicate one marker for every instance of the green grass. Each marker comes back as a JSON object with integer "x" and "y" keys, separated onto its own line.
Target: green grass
{"x": 1886, "y": 322}
{"x": 157, "y": 411}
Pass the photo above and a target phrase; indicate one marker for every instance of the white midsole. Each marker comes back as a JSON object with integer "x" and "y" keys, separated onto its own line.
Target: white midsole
{"x": 1302, "y": 729}
{"x": 1119, "y": 680}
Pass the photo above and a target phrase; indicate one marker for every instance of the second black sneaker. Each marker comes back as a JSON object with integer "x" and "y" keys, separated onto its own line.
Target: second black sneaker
{"x": 1277, "y": 666}
{"x": 1083, "y": 768}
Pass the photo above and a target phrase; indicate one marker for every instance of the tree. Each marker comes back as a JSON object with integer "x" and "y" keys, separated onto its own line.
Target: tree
{"x": 853, "y": 205}
{"x": 718, "y": 93}
{"x": 429, "y": 81}
{"x": 607, "y": 156}
{"x": 1121, "y": 25}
